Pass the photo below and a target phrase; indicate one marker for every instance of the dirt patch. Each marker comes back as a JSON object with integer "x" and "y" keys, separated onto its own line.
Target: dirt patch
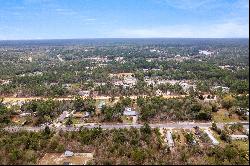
{"x": 60, "y": 159}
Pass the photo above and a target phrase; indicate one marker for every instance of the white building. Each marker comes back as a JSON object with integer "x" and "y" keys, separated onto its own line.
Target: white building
{"x": 25, "y": 114}
{"x": 68, "y": 153}
{"x": 205, "y": 52}
{"x": 131, "y": 81}
{"x": 239, "y": 137}
{"x": 64, "y": 115}
{"x": 85, "y": 93}
{"x": 170, "y": 139}
{"x": 158, "y": 92}
{"x": 101, "y": 104}
{"x": 224, "y": 88}
{"x": 185, "y": 86}
{"x": 129, "y": 112}
{"x": 214, "y": 141}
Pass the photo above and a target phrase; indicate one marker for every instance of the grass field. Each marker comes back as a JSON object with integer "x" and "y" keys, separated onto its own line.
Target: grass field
{"x": 222, "y": 116}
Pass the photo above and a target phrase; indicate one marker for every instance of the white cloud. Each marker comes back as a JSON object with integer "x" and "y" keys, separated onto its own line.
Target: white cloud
{"x": 65, "y": 11}
{"x": 222, "y": 30}
{"x": 90, "y": 19}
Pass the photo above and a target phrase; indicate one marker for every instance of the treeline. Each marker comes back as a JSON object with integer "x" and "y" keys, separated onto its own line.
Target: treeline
{"x": 111, "y": 147}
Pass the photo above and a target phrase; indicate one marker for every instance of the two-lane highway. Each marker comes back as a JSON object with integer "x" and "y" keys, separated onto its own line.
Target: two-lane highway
{"x": 176, "y": 125}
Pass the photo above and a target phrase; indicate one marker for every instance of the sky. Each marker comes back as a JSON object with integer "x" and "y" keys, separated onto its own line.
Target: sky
{"x": 68, "y": 19}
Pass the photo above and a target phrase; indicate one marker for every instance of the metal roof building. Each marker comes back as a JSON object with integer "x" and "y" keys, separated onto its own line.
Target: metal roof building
{"x": 214, "y": 141}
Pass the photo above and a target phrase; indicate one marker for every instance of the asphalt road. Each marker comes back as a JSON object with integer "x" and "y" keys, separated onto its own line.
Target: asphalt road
{"x": 176, "y": 125}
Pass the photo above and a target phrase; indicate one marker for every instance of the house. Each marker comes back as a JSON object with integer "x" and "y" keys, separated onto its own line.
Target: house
{"x": 158, "y": 92}
{"x": 53, "y": 83}
{"x": 239, "y": 137}
{"x": 68, "y": 153}
{"x": 185, "y": 86}
{"x": 18, "y": 103}
{"x": 223, "y": 88}
{"x": 118, "y": 59}
{"x": 209, "y": 98}
{"x": 25, "y": 114}
{"x": 247, "y": 132}
{"x": 85, "y": 93}
{"x": 214, "y": 141}
{"x": 130, "y": 81}
{"x": 170, "y": 139}
{"x": 64, "y": 115}
{"x": 149, "y": 81}
{"x": 67, "y": 86}
{"x": 129, "y": 112}
{"x": 205, "y": 52}
{"x": 118, "y": 83}
{"x": 101, "y": 104}
{"x": 5, "y": 82}
{"x": 86, "y": 114}
{"x": 244, "y": 111}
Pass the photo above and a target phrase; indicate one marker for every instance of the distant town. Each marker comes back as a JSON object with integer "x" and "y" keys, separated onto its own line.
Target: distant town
{"x": 124, "y": 101}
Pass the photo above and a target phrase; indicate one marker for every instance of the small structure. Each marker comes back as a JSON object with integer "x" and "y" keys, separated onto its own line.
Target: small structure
{"x": 101, "y": 104}
{"x": 64, "y": 115}
{"x": 239, "y": 137}
{"x": 214, "y": 141}
{"x": 197, "y": 130}
{"x": 129, "y": 112}
{"x": 25, "y": 114}
{"x": 247, "y": 131}
{"x": 86, "y": 114}
{"x": 68, "y": 153}
{"x": 67, "y": 86}
{"x": 209, "y": 98}
{"x": 85, "y": 93}
{"x": 170, "y": 139}
{"x": 158, "y": 92}
{"x": 223, "y": 88}
{"x": 186, "y": 86}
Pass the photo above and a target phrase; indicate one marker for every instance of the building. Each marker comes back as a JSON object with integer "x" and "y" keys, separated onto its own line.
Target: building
{"x": 223, "y": 88}
{"x": 67, "y": 86}
{"x": 101, "y": 104}
{"x": 185, "y": 86}
{"x": 128, "y": 111}
{"x": 158, "y": 92}
{"x": 85, "y": 93}
{"x": 214, "y": 141}
{"x": 170, "y": 140}
{"x": 25, "y": 114}
{"x": 130, "y": 81}
{"x": 68, "y": 153}
{"x": 239, "y": 137}
{"x": 247, "y": 131}
{"x": 209, "y": 98}
{"x": 86, "y": 114}
{"x": 64, "y": 115}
